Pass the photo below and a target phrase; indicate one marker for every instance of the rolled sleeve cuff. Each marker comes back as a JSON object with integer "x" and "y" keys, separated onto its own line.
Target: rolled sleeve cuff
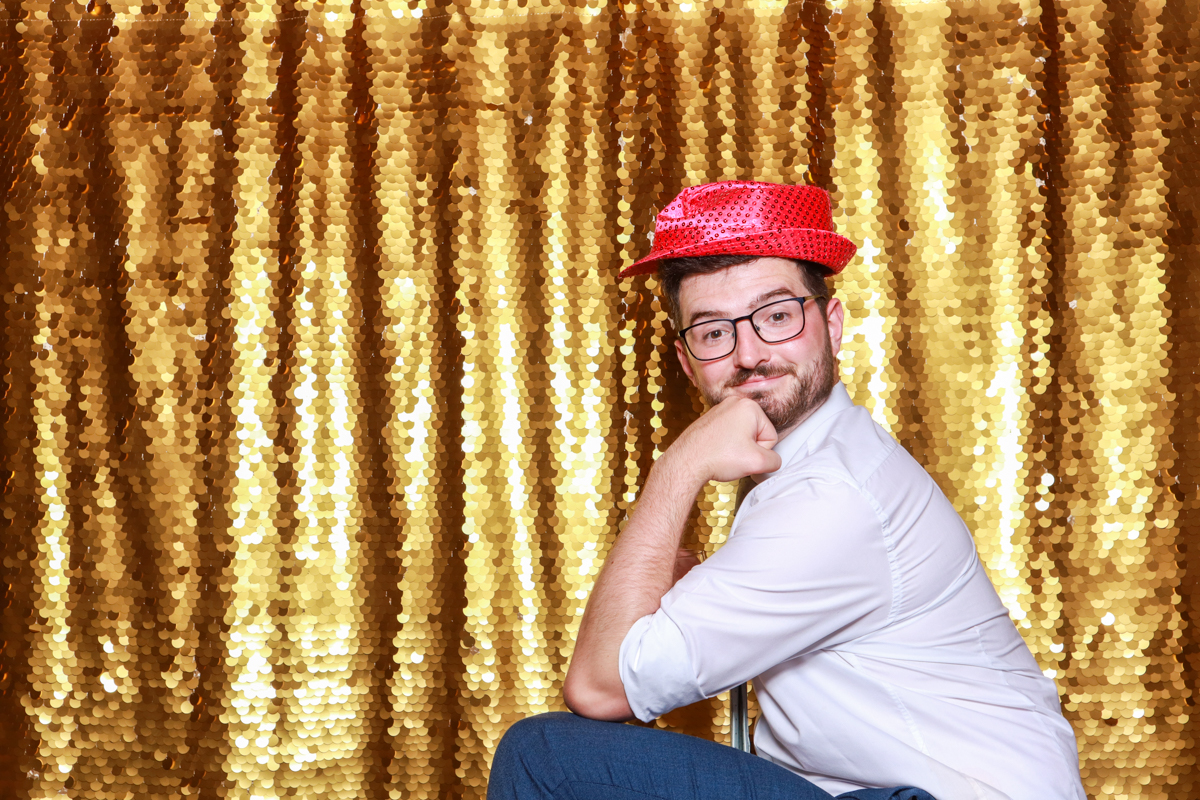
{"x": 656, "y": 669}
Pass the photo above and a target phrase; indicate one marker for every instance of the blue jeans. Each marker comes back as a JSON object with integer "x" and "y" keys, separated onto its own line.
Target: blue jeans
{"x": 564, "y": 757}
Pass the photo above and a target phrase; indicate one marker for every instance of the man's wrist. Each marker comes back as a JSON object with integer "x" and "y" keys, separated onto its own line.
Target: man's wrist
{"x": 679, "y": 474}
{"x": 669, "y": 495}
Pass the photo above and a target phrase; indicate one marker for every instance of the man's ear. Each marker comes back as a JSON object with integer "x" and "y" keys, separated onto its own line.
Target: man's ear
{"x": 681, "y": 353}
{"x": 835, "y": 317}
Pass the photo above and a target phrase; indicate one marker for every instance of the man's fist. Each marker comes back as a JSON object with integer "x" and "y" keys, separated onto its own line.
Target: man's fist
{"x": 731, "y": 440}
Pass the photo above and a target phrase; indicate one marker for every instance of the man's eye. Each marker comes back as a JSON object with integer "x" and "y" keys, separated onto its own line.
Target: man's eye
{"x": 779, "y": 316}
{"x": 714, "y": 335}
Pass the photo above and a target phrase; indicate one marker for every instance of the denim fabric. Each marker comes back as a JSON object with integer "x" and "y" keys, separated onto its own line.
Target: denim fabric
{"x": 564, "y": 757}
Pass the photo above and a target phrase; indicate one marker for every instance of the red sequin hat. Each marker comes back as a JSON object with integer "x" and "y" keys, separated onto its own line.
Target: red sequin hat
{"x": 747, "y": 218}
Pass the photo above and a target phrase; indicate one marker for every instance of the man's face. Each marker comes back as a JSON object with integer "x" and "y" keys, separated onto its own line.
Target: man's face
{"x": 789, "y": 380}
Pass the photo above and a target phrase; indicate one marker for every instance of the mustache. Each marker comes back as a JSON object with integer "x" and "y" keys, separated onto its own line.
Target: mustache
{"x": 761, "y": 371}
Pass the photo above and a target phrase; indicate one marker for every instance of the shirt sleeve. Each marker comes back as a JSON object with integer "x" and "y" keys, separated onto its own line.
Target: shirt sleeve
{"x": 805, "y": 569}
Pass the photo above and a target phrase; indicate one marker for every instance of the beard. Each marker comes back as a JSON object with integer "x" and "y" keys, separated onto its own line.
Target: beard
{"x": 807, "y": 392}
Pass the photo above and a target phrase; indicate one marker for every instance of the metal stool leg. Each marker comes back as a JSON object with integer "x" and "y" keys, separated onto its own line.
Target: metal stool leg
{"x": 739, "y": 706}
{"x": 739, "y": 718}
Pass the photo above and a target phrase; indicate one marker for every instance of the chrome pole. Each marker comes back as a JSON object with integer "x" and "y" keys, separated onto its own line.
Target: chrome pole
{"x": 739, "y": 718}
{"x": 739, "y": 704}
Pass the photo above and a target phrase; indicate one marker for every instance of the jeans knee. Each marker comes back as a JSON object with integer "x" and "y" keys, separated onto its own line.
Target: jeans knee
{"x": 525, "y": 765}
{"x": 531, "y": 734}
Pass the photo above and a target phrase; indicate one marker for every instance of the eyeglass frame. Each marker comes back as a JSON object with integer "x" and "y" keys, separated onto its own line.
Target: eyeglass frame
{"x": 757, "y": 332}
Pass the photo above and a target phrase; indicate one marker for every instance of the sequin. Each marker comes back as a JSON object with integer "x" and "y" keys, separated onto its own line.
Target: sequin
{"x": 323, "y": 401}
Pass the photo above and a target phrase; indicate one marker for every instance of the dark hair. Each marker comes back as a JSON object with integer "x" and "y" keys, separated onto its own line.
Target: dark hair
{"x": 672, "y": 271}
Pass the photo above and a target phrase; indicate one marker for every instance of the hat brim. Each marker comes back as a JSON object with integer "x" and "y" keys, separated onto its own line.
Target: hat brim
{"x": 826, "y": 248}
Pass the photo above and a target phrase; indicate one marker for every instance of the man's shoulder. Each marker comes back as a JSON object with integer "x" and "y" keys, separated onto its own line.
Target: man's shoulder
{"x": 834, "y": 470}
{"x": 850, "y": 449}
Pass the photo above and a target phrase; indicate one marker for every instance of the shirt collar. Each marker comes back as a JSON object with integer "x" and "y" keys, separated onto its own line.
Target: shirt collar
{"x": 794, "y": 443}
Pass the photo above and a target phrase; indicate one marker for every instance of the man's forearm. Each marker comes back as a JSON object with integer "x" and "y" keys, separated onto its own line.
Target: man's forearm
{"x": 637, "y": 573}
{"x": 729, "y": 441}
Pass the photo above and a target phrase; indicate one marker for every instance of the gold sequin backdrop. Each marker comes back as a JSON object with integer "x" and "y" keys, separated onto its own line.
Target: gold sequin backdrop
{"x": 322, "y": 402}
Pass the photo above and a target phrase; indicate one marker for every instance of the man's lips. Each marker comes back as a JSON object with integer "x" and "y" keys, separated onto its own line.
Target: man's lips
{"x": 757, "y": 381}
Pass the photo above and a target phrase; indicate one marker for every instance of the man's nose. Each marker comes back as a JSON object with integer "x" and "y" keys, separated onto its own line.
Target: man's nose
{"x": 750, "y": 350}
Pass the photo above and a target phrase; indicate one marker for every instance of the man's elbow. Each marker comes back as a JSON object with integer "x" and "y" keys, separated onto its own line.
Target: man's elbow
{"x": 587, "y": 699}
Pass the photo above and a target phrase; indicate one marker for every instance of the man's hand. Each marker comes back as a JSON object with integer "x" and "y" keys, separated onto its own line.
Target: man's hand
{"x": 684, "y": 561}
{"x": 730, "y": 441}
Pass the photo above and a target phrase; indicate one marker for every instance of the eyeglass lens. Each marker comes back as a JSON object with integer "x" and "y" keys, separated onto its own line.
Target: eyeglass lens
{"x": 774, "y": 322}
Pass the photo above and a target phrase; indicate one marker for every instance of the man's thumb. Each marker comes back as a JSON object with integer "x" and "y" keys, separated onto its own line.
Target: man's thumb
{"x": 771, "y": 460}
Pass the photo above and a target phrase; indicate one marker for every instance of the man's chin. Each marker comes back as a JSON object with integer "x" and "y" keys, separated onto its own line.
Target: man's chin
{"x": 764, "y": 399}
{"x": 787, "y": 405}
{"x": 768, "y": 400}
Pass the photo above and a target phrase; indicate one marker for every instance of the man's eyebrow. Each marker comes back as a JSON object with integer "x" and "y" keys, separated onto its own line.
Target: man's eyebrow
{"x": 782, "y": 291}
{"x": 756, "y": 302}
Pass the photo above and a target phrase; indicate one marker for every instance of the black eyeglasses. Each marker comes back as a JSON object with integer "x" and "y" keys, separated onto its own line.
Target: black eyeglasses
{"x": 774, "y": 323}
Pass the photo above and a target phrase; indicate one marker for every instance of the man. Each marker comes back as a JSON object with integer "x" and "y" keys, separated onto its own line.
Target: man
{"x": 849, "y": 589}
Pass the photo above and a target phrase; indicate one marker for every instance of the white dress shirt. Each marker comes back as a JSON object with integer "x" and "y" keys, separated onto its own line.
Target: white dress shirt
{"x": 850, "y": 591}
